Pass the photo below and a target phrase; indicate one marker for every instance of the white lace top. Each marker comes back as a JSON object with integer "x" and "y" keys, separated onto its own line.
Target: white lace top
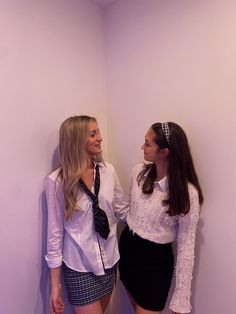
{"x": 147, "y": 217}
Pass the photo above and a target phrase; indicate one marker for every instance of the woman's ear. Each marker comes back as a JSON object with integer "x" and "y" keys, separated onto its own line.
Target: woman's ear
{"x": 165, "y": 152}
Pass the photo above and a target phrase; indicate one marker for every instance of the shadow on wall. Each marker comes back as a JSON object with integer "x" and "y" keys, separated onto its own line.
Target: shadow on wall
{"x": 44, "y": 279}
{"x": 45, "y": 273}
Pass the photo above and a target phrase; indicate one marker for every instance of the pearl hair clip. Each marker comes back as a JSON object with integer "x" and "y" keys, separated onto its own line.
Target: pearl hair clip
{"x": 166, "y": 131}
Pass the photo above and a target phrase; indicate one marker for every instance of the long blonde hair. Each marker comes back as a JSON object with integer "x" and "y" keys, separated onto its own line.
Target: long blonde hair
{"x": 74, "y": 158}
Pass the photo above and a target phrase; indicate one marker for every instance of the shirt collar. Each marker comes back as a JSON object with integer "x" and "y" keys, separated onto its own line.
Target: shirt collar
{"x": 101, "y": 166}
{"x": 163, "y": 184}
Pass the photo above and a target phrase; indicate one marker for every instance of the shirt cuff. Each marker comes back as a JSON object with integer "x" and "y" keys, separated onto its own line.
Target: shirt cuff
{"x": 53, "y": 262}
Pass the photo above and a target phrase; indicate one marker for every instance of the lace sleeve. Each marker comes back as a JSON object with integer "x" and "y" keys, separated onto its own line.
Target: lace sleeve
{"x": 187, "y": 225}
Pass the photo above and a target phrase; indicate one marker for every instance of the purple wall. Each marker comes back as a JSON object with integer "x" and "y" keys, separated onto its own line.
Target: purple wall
{"x": 164, "y": 60}
{"x": 51, "y": 66}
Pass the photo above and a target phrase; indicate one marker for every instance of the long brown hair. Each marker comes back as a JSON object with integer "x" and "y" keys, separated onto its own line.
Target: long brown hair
{"x": 74, "y": 159}
{"x": 181, "y": 169}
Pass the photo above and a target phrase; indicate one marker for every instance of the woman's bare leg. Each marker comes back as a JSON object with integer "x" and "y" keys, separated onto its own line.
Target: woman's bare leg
{"x": 92, "y": 308}
{"x": 131, "y": 300}
{"x": 140, "y": 310}
{"x": 105, "y": 300}
{"x": 97, "y": 307}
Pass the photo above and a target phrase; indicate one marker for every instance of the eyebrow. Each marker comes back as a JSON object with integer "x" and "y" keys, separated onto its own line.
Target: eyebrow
{"x": 94, "y": 130}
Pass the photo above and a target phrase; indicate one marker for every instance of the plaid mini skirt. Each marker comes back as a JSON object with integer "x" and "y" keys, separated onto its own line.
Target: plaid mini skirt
{"x": 85, "y": 287}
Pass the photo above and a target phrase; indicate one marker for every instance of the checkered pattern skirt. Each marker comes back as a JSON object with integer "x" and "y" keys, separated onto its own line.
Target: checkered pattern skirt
{"x": 85, "y": 288}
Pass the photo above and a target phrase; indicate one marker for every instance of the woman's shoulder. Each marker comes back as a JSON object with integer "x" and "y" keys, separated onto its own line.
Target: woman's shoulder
{"x": 193, "y": 192}
{"x": 54, "y": 175}
{"x": 105, "y": 165}
{"x": 106, "y": 168}
{"x": 138, "y": 168}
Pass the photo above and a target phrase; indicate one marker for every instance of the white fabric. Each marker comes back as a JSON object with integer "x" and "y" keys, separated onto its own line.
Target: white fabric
{"x": 148, "y": 218}
{"x": 75, "y": 241}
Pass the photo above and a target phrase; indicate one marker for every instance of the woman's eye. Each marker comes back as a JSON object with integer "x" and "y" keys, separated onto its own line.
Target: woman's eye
{"x": 92, "y": 134}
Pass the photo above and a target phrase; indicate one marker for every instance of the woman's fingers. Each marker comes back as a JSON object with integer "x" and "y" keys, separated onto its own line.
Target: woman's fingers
{"x": 56, "y": 305}
{"x": 60, "y": 305}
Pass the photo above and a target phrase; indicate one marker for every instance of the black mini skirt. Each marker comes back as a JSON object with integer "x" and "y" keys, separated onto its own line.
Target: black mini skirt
{"x": 146, "y": 270}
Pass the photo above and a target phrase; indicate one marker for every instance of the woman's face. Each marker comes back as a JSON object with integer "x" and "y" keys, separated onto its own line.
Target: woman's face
{"x": 151, "y": 150}
{"x": 93, "y": 145}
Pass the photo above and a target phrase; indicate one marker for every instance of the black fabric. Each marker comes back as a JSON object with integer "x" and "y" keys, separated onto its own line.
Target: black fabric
{"x": 100, "y": 218}
{"x": 146, "y": 270}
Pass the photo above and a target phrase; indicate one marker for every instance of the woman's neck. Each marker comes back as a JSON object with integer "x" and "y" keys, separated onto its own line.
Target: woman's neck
{"x": 90, "y": 165}
{"x": 162, "y": 169}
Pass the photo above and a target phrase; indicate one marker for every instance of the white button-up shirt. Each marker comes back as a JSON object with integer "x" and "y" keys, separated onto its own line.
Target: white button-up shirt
{"x": 75, "y": 241}
{"x": 147, "y": 217}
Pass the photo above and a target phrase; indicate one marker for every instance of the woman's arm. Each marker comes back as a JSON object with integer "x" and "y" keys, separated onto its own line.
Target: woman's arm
{"x": 55, "y": 226}
{"x": 121, "y": 205}
{"x": 55, "y": 302}
{"x": 187, "y": 225}
{"x": 55, "y": 232}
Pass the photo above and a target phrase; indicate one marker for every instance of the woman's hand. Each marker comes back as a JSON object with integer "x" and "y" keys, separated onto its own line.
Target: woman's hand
{"x": 178, "y": 313}
{"x": 56, "y": 303}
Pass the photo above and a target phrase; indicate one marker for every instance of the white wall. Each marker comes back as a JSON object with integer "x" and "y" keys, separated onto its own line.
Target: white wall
{"x": 51, "y": 67}
{"x": 166, "y": 60}
{"x": 175, "y": 61}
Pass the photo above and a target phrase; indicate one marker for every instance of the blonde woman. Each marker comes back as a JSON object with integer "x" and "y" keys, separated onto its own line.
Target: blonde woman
{"x": 85, "y": 201}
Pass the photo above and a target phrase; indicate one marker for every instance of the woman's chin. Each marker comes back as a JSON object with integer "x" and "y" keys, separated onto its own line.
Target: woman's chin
{"x": 99, "y": 151}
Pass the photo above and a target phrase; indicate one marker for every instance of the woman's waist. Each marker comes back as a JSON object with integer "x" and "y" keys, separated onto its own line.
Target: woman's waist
{"x": 160, "y": 234}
